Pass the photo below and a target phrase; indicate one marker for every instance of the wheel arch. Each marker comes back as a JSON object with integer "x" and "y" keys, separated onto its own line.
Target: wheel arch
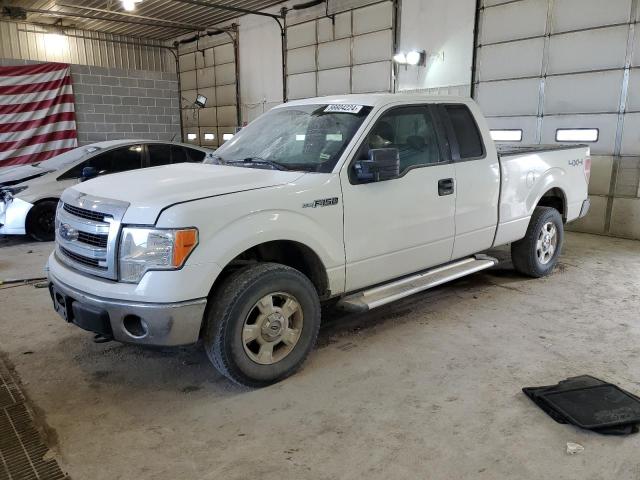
{"x": 291, "y": 253}
{"x": 556, "y": 198}
{"x": 29, "y": 217}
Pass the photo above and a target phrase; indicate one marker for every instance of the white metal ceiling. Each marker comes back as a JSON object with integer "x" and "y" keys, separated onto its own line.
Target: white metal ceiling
{"x": 168, "y": 10}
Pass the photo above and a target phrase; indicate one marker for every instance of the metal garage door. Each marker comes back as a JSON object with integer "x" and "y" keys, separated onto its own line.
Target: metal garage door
{"x": 555, "y": 69}
{"x": 210, "y": 71}
{"x": 349, "y": 54}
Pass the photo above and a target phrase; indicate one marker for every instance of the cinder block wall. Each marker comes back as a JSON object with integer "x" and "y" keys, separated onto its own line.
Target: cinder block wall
{"x": 113, "y": 103}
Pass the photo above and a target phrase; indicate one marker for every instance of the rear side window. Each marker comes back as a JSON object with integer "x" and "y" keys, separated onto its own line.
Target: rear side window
{"x": 195, "y": 155}
{"x": 178, "y": 154}
{"x": 158, "y": 154}
{"x": 466, "y": 131}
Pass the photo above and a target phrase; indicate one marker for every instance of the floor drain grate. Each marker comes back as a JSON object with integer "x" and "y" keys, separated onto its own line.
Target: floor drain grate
{"x": 21, "y": 446}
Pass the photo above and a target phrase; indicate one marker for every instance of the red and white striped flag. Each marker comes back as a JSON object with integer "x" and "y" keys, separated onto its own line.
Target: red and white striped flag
{"x": 37, "y": 116}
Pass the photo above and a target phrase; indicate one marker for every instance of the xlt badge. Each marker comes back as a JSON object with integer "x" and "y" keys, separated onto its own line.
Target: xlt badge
{"x": 324, "y": 202}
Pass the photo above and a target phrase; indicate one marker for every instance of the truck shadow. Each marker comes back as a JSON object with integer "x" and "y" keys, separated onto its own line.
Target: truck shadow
{"x": 13, "y": 240}
{"x": 187, "y": 370}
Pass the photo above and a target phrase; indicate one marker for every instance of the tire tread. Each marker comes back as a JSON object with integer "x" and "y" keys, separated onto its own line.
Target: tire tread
{"x": 222, "y": 304}
{"x": 522, "y": 251}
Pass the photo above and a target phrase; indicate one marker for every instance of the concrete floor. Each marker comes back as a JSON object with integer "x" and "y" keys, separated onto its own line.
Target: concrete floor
{"x": 428, "y": 387}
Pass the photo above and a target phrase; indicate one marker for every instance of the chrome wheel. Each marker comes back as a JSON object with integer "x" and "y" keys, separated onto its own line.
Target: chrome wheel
{"x": 272, "y": 328}
{"x": 547, "y": 243}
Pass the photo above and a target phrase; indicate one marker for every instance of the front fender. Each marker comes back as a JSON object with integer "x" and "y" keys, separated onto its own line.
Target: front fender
{"x": 224, "y": 234}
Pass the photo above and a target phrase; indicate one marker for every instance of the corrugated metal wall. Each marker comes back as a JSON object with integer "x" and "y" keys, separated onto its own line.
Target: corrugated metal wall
{"x": 30, "y": 42}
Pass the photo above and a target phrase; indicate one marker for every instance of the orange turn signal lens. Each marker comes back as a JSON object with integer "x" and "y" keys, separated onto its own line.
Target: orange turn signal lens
{"x": 185, "y": 241}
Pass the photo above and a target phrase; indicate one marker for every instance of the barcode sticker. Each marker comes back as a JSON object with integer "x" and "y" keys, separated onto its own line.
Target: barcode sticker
{"x": 342, "y": 108}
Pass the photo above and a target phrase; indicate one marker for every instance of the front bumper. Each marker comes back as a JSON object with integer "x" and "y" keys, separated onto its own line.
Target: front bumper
{"x": 161, "y": 324}
{"x": 13, "y": 216}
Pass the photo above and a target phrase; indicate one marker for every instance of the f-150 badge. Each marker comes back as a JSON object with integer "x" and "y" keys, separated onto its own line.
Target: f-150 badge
{"x": 324, "y": 202}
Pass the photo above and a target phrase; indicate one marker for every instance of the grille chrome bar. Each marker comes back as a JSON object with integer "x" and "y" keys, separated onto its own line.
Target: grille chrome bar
{"x": 87, "y": 230}
{"x": 81, "y": 258}
{"x": 81, "y": 225}
{"x": 83, "y": 213}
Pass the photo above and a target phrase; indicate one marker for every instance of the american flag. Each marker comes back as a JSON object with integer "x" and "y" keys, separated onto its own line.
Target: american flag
{"x": 37, "y": 117}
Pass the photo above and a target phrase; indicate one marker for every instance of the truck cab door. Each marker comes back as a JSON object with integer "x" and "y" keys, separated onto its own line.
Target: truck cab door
{"x": 404, "y": 224}
{"x": 477, "y": 179}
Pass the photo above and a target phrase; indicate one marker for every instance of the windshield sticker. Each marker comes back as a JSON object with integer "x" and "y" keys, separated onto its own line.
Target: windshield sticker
{"x": 343, "y": 108}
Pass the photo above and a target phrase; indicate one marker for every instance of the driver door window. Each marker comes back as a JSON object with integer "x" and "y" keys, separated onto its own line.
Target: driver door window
{"x": 411, "y": 131}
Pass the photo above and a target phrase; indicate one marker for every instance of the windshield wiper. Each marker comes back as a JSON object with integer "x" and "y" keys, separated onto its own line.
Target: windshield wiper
{"x": 215, "y": 160}
{"x": 258, "y": 161}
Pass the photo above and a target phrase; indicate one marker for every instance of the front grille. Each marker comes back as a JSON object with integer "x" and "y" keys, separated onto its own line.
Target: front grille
{"x": 90, "y": 262}
{"x": 93, "y": 239}
{"x": 84, "y": 213}
{"x": 87, "y": 229}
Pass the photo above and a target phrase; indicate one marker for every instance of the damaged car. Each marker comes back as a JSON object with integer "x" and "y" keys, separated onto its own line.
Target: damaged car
{"x": 29, "y": 193}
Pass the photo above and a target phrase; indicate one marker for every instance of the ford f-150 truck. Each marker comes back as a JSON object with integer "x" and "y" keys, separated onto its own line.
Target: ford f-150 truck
{"x": 364, "y": 199}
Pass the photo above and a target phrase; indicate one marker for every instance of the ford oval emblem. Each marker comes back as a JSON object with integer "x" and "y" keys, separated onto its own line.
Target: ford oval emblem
{"x": 67, "y": 232}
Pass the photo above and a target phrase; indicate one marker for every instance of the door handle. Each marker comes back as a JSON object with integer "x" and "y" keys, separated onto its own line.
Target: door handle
{"x": 445, "y": 186}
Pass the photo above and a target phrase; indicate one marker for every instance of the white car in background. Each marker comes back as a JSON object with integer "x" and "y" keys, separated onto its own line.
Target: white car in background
{"x": 29, "y": 193}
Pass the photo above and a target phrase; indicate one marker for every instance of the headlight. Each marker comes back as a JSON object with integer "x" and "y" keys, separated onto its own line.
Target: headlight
{"x": 7, "y": 193}
{"x": 144, "y": 249}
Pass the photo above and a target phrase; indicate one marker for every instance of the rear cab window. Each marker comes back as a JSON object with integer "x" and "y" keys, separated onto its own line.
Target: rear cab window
{"x": 464, "y": 134}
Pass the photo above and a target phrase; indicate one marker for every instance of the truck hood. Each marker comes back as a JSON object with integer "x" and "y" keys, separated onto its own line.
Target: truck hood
{"x": 150, "y": 190}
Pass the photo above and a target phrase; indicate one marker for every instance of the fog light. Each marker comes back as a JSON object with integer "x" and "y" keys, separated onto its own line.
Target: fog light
{"x": 135, "y": 326}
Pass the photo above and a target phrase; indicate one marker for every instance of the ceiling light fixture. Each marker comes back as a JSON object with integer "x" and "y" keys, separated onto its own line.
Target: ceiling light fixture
{"x": 129, "y": 5}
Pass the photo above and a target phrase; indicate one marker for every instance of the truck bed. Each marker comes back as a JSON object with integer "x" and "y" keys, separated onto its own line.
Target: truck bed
{"x": 506, "y": 149}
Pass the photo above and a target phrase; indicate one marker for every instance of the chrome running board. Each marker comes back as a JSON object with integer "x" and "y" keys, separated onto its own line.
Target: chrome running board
{"x": 395, "y": 290}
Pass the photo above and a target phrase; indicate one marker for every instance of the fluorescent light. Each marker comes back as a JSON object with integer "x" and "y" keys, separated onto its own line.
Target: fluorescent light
{"x": 192, "y": 136}
{"x": 227, "y": 136}
{"x": 333, "y": 137}
{"x": 577, "y": 135}
{"x": 400, "y": 58}
{"x": 300, "y": 138}
{"x": 506, "y": 135}
{"x": 209, "y": 136}
{"x": 413, "y": 57}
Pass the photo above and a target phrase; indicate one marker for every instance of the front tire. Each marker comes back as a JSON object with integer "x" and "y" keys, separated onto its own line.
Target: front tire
{"x": 262, "y": 324}
{"x": 41, "y": 221}
{"x": 537, "y": 253}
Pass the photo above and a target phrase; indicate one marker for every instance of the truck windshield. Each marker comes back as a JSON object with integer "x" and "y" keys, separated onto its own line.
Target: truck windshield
{"x": 305, "y": 137}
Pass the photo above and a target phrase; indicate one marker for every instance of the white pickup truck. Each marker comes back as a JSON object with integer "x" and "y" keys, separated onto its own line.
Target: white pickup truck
{"x": 360, "y": 198}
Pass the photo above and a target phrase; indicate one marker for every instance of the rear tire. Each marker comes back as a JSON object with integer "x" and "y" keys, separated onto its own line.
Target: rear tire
{"x": 262, "y": 324}
{"x": 537, "y": 253}
{"x": 41, "y": 221}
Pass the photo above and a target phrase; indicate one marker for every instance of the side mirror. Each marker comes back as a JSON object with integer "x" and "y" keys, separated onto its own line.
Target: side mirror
{"x": 382, "y": 164}
{"x": 88, "y": 173}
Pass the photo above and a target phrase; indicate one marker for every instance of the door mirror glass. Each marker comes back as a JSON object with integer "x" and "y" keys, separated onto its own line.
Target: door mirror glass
{"x": 88, "y": 173}
{"x": 382, "y": 164}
